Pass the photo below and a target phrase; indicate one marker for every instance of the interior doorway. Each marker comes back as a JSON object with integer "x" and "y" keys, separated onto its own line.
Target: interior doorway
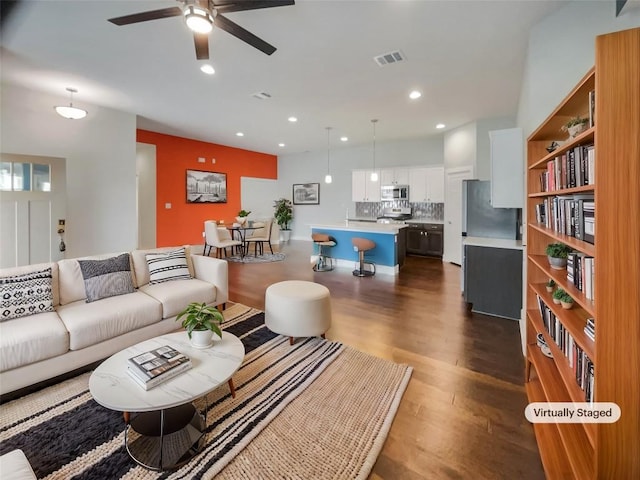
{"x": 453, "y": 213}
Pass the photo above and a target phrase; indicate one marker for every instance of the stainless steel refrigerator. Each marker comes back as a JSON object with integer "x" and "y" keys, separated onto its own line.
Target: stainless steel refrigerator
{"x": 480, "y": 219}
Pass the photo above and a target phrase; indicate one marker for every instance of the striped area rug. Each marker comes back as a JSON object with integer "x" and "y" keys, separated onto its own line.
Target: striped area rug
{"x": 315, "y": 410}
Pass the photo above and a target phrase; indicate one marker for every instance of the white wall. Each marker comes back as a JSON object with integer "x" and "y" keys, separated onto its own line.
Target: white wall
{"x": 100, "y": 151}
{"x": 146, "y": 195}
{"x": 460, "y": 146}
{"x": 483, "y": 147}
{"x": 335, "y": 198}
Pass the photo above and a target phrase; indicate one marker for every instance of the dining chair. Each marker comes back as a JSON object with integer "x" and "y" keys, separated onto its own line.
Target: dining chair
{"x": 260, "y": 237}
{"x": 219, "y": 238}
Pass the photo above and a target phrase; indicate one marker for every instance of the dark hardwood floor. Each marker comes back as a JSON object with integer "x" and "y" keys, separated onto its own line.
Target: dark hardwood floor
{"x": 462, "y": 415}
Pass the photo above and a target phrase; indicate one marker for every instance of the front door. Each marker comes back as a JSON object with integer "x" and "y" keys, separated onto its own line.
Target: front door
{"x": 32, "y": 205}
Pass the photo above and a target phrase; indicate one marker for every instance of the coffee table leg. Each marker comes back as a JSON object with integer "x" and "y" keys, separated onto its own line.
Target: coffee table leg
{"x": 232, "y": 388}
{"x": 127, "y": 417}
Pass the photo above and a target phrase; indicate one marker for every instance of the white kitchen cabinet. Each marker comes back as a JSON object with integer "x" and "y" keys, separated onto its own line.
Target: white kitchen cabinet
{"x": 507, "y": 181}
{"x": 363, "y": 189}
{"x": 394, "y": 176}
{"x": 426, "y": 184}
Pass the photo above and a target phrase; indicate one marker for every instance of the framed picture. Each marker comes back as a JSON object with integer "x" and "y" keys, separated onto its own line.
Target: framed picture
{"x": 306, "y": 193}
{"x": 206, "y": 187}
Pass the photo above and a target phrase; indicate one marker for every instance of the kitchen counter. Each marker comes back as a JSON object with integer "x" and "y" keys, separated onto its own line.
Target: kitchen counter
{"x": 425, "y": 220}
{"x": 493, "y": 242}
{"x": 360, "y": 226}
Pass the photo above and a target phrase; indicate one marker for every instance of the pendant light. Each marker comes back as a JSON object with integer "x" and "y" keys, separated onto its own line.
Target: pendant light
{"x": 374, "y": 174}
{"x": 327, "y": 178}
{"x": 71, "y": 112}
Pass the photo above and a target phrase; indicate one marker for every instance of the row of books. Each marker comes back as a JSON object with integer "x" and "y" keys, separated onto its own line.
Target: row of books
{"x": 590, "y": 328}
{"x": 581, "y": 273}
{"x": 154, "y": 367}
{"x": 579, "y": 362}
{"x": 572, "y": 215}
{"x": 574, "y": 168}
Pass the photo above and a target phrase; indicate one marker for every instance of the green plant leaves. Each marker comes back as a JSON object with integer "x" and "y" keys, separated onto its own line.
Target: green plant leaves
{"x": 200, "y": 316}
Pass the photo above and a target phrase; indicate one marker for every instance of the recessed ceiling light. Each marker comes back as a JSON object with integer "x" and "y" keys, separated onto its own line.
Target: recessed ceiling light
{"x": 281, "y": 144}
{"x": 293, "y": 119}
{"x": 415, "y": 94}
{"x": 344, "y": 139}
{"x": 440, "y": 125}
{"x": 239, "y": 134}
{"x": 208, "y": 69}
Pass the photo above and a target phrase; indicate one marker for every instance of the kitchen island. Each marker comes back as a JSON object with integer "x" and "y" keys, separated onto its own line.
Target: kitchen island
{"x": 390, "y": 242}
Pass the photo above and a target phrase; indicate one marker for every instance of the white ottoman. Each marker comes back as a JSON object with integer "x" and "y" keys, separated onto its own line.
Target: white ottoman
{"x": 15, "y": 466}
{"x": 297, "y": 308}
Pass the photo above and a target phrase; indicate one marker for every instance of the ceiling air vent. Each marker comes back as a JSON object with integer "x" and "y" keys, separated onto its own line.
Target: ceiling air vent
{"x": 261, "y": 95}
{"x": 389, "y": 58}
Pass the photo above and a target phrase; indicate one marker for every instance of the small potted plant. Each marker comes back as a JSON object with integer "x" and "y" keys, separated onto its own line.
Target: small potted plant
{"x": 557, "y": 254}
{"x": 283, "y": 215}
{"x": 558, "y": 295}
{"x": 575, "y": 126}
{"x": 566, "y": 301}
{"x": 201, "y": 321}
{"x": 242, "y": 216}
{"x": 550, "y": 285}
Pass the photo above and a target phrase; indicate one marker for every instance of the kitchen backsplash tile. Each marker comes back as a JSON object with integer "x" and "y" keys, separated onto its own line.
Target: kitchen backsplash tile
{"x": 431, "y": 211}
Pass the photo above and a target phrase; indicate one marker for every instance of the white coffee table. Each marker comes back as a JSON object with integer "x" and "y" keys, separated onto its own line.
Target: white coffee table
{"x": 167, "y": 430}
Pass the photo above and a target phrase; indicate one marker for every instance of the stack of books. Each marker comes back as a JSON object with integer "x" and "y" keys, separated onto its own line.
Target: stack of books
{"x": 590, "y": 329}
{"x": 156, "y": 366}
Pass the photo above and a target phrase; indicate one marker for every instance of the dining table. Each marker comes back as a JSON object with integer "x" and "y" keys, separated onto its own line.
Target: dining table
{"x": 239, "y": 232}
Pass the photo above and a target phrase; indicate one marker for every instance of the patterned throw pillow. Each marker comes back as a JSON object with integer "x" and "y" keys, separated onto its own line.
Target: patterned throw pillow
{"x": 27, "y": 294}
{"x": 107, "y": 278}
{"x": 167, "y": 266}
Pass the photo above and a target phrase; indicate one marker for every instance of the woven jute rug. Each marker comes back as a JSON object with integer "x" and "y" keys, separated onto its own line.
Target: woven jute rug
{"x": 314, "y": 410}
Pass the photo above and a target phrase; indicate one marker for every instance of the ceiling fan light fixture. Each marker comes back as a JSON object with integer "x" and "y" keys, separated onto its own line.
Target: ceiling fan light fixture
{"x": 70, "y": 112}
{"x": 198, "y": 19}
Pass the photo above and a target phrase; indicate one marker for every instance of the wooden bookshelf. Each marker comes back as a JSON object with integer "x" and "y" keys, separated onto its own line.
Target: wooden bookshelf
{"x": 592, "y": 451}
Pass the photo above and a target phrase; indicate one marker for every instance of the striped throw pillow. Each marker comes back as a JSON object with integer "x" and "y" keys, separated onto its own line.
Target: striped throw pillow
{"x": 107, "y": 278}
{"x": 168, "y": 266}
{"x": 27, "y": 294}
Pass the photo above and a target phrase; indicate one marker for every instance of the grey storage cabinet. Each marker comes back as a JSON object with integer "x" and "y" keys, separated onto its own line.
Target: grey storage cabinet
{"x": 493, "y": 280}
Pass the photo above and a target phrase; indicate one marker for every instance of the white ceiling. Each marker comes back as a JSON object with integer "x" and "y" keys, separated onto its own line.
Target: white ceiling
{"x": 466, "y": 57}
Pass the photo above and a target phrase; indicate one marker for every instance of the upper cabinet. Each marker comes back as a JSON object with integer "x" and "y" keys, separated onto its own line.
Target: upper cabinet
{"x": 426, "y": 184}
{"x": 363, "y": 189}
{"x": 394, "y": 176}
{"x": 507, "y": 174}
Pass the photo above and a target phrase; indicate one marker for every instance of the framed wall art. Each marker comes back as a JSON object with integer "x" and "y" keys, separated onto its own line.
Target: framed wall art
{"x": 306, "y": 193}
{"x": 206, "y": 187}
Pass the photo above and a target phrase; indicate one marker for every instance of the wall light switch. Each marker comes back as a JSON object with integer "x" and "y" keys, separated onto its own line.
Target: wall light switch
{"x": 201, "y": 160}
{"x": 167, "y": 206}
{"x": 213, "y": 160}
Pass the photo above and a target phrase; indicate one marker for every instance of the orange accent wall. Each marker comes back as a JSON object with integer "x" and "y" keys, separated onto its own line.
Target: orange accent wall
{"x": 183, "y": 223}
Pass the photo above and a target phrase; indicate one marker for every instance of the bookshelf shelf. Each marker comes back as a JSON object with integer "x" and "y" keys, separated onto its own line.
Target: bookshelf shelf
{"x": 576, "y": 450}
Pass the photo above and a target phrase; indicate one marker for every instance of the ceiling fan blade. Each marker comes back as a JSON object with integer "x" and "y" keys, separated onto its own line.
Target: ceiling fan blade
{"x": 225, "y": 6}
{"x": 146, "y": 16}
{"x": 244, "y": 35}
{"x": 202, "y": 45}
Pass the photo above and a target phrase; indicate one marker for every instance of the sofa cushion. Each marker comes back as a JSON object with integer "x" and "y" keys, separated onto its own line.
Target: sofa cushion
{"x": 167, "y": 266}
{"x": 71, "y": 280}
{"x": 141, "y": 268}
{"x": 107, "y": 278}
{"x": 175, "y": 296}
{"x": 31, "y": 339}
{"x": 15, "y": 466}
{"x": 37, "y": 267}
{"x": 91, "y": 323}
{"x": 26, "y": 294}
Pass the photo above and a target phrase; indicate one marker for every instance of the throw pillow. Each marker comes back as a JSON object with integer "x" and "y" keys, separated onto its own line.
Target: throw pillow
{"x": 26, "y": 294}
{"x": 168, "y": 266}
{"x": 107, "y": 278}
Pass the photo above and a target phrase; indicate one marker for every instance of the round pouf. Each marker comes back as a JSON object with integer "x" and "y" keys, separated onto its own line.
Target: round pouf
{"x": 296, "y": 308}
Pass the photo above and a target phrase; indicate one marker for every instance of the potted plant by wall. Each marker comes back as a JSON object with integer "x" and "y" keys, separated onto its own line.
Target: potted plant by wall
{"x": 566, "y": 301}
{"x": 242, "y": 216}
{"x": 283, "y": 215}
{"x": 575, "y": 126}
{"x": 550, "y": 285}
{"x": 557, "y": 254}
{"x": 201, "y": 321}
{"x": 557, "y": 296}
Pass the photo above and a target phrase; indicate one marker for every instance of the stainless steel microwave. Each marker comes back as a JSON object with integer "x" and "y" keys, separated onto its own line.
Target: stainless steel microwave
{"x": 394, "y": 192}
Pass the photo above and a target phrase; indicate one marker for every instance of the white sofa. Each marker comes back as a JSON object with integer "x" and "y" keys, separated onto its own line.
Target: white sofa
{"x": 41, "y": 346}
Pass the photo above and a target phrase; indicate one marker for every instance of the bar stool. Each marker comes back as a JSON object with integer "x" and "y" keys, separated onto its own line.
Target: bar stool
{"x": 324, "y": 262}
{"x": 362, "y": 245}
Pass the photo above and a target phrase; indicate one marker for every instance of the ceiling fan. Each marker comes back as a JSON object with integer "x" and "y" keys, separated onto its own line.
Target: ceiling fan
{"x": 202, "y": 15}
